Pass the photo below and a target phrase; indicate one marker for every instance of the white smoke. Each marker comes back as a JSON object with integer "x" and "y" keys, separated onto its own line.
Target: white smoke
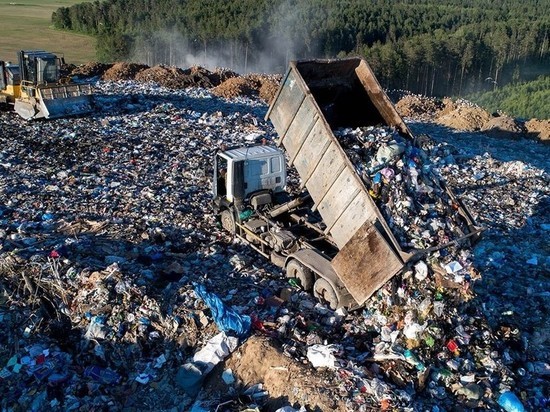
{"x": 279, "y": 46}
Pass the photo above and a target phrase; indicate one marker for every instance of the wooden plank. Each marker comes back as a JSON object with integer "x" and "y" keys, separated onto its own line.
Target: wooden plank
{"x": 286, "y": 106}
{"x": 312, "y": 150}
{"x": 319, "y": 180}
{"x": 358, "y": 212}
{"x": 379, "y": 98}
{"x": 344, "y": 188}
{"x": 300, "y": 128}
{"x": 366, "y": 263}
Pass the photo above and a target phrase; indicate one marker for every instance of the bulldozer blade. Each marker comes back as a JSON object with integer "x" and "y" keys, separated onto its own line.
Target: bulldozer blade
{"x": 27, "y": 109}
{"x": 57, "y": 101}
{"x": 65, "y": 100}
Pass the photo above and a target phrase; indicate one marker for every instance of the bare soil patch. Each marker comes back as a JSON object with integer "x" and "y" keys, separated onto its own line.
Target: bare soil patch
{"x": 123, "y": 71}
{"x": 539, "y": 129}
{"x": 288, "y": 382}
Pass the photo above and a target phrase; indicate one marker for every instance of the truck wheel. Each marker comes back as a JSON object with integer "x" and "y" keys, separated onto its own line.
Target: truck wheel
{"x": 295, "y": 269}
{"x": 324, "y": 291}
{"x": 228, "y": 221}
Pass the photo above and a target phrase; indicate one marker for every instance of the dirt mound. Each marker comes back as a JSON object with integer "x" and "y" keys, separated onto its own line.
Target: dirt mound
{"x": 198, "y": 76}
{"x": 465, "y": 116}
{"x": 268, "y": 90}
{"x": 91, "y": 69}
{"x": 170, "y": 77}
{"x": 265, "y": 84}
{"x": 503, "y": 126}
{"x": 448, "y": 106}
{"x": 280, "y": 375}
{"x": 539, "y": 129}
{"x": 220, "y": 75}
{"x": 234, "y": 87}
{"x": 123, "y": 71}
{"x": 417, "y": 106}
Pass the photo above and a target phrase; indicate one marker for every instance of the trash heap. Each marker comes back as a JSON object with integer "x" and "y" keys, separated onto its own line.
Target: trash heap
{"x": 399, "y": 177}
{"x": 117, "y": 287}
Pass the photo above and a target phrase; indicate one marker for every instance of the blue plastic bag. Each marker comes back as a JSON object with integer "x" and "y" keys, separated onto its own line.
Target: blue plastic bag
{"x": 227, "y": 319}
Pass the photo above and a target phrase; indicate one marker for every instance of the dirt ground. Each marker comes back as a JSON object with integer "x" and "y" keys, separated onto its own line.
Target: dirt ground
{"x": 287, "y": 381}
{"x": 539, "y": 129}
{"x": 465, "y": 116}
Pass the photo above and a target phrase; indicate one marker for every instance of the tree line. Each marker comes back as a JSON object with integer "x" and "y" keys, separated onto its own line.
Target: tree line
{"x": 433, "y": 47}
{"x": 524, "y": 100}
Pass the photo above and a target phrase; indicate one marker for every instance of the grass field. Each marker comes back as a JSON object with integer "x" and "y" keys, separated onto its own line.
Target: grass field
{"x": 25, "y": 25}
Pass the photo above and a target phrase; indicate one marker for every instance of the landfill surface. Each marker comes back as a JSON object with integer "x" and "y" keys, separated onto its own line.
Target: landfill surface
{"x": 120, "y": 291}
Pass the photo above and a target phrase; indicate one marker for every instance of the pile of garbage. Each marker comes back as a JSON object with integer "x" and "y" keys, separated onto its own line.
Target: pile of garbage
{"x": 399, "y": 177}
{"x": 119, "y": 290}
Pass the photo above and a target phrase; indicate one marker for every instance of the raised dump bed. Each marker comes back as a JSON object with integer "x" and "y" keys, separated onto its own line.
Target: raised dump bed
{"x": 315, "y": 98}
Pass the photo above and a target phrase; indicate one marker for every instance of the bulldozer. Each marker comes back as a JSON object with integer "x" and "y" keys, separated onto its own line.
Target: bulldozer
{"x": 36, "y": 89}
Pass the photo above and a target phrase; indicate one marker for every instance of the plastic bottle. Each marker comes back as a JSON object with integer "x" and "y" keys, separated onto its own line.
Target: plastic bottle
{"x": 412, "y": 359}
{"x": 510, "y": 402}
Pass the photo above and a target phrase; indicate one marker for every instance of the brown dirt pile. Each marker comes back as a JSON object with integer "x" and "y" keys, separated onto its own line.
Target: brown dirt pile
{"x": 220, "y": 75}
{"x": 123, "y": 71}
{"x": 265, "y": 84}
{"x": 503, "y": 126}
{"x": 234, "y": 87}
{"x": 223, "y": 82}
{"x": 419, "y": 107}
{"x": 465, "y": 117}
{"x": 459, "y": 115}
{"x": 170, "y": 77}
{"x": 90, "y": 69}
{"x": 258, "y": 360}
{"x": 268, "y": 90}
{"x": 198, "y": 76}
{"x": 539, "y": 129}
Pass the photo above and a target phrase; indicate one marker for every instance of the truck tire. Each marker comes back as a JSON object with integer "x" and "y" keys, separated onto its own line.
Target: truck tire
{"x": 228, "y": 221}
{"x": 277, "y": 259}
{"x": 295, "y": 269}
{"x": 324, "y": 291}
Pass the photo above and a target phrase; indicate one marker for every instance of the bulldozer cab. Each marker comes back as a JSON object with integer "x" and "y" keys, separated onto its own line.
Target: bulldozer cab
{"x": 9, "y": 75}
{"x": 39, "y": 67}
{"x": 10, "y": 82}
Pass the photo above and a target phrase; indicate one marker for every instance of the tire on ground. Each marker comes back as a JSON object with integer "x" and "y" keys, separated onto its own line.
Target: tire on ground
{"x": 295, "y": 269}
{"x": 324, "y": 291}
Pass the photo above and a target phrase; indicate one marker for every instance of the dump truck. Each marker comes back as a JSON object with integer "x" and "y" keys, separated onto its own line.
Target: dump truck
{"x": 35, "y": 88}
{"x": 329, "y": 233}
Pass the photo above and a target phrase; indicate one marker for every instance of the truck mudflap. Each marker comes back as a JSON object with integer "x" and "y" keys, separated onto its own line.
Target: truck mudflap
{"x": 322, "y": 268}
{"x": 56, "y": 101}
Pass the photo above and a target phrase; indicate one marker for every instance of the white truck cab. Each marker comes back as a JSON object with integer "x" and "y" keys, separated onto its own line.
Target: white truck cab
{"x": 243, "y": 171}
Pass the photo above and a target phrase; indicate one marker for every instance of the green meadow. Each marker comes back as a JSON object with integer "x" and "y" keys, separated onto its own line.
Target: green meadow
{"x": 26, "y": 25}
